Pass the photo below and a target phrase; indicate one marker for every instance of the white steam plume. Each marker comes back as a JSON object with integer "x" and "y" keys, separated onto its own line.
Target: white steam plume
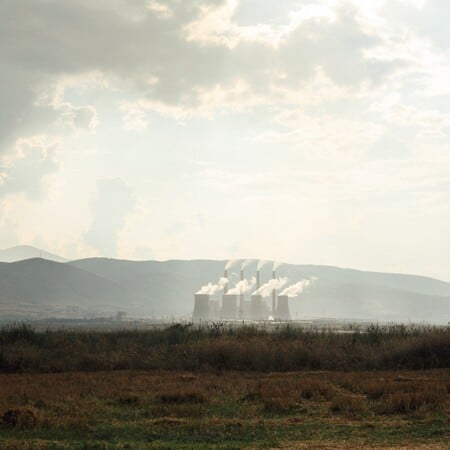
{"x": 243, "y": 286}
{"x": 276, "y": 264}
{"x": 261, "y": 263}
{"x": 266, "y": 289}
{"x": 230, "y": 263}
{"x": 211, "y": 288}
{"x": 245, "y": 263}
{"x": 297, "y": 288}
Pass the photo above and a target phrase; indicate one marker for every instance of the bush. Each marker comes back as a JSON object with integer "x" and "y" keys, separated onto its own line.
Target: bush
{"x": 22, "y": 418}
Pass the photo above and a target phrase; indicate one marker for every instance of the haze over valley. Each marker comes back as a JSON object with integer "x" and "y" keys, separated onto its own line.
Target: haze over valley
{"x": 38, "y": 288}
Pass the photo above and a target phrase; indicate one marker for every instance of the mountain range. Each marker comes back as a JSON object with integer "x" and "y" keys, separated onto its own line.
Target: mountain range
{"x": 51, "y": 287}
{"x": 21, "y": 252}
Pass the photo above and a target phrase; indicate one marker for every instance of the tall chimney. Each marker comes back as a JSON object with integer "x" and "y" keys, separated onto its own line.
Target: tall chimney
{"x": 257, "y": 279}
{"x": 273, "y": 297}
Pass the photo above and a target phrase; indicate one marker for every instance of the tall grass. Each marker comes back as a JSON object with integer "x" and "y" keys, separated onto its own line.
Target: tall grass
{"x": 217, "y": 347}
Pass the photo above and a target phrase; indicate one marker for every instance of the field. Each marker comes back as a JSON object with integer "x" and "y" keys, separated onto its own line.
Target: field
{"x": 364, "y": 396}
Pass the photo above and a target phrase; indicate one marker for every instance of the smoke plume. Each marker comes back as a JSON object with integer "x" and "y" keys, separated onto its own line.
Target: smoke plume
{"x": 261, "y": 263}
{"x": 211, "y": 288}
{"x": 230, "y": 263}
{"x": 266, "y": 289}
{"x": 245, "y": 263}
{"x": 243, "y": 286}
{"x": 276, "y": 264}
{"x": 295, "y": 289}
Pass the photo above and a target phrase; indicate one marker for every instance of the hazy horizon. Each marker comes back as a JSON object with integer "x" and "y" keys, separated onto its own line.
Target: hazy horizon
{"x": 23, "y": 252}
{"x": 308, "y": 132}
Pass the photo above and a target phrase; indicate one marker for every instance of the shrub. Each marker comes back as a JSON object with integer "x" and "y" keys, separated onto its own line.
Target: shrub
{"x": 21, "y": 417}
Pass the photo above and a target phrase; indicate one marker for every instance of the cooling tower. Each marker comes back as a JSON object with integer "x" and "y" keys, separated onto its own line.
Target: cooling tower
{"x": 256, "y": 308}
{"x": 274, "y": 306}
{"x": 245, "y": 314}
{"x": 214, "y": 310}
{"x": 201, "y": 307}
{"x": 283, "y": 308}
{"x": 225, "y": 275}
{"x": 241, "y": 297}
{"x": 229, "y": 306}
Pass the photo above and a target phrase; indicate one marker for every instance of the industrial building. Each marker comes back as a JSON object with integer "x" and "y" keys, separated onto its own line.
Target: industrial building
{"x": 235, "y": 306}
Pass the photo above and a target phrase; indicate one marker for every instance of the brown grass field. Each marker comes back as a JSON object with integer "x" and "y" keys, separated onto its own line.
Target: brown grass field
{"x": 176, "y": 409}
{"x": 70, "y": 390}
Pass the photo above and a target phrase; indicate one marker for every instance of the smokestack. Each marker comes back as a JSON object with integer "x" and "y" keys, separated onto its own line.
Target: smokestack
{"x": 257, "y": 279}
{"x": 225, "y": 275}
{"x": 273, "y": 297}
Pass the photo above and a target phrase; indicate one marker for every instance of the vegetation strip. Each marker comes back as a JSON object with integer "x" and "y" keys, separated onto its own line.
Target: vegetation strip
{"x": 222, "y": 347}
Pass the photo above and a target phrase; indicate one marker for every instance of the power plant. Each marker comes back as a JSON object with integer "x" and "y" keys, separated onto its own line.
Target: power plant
{"x": 234, "y": 306}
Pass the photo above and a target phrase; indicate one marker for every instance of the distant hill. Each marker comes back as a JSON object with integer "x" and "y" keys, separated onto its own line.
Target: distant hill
{"x": 44, "y": 286}
{"x": 22, "y": 252}
{"x": 166, "y": 289}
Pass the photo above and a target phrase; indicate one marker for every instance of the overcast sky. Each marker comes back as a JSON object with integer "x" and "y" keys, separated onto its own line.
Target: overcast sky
{"x": 302, "y": 131}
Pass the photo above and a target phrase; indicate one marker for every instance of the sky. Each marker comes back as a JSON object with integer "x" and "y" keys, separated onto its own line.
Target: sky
{"x": 310, "y": 132}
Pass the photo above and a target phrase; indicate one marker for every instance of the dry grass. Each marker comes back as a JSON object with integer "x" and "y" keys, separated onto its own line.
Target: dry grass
{"x": 348, "y": 405}
{"x": 205, "y": 407}
{"x": 182, "y": 395}
{"x": 219, "y": 348}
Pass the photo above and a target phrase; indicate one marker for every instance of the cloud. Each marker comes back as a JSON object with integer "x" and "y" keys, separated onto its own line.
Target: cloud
{"x": 161, "y": 9}
{"x": 113, "y": 203}
{"x": 335, "y": 103}
{"x": 25, "y": 170}
{"x": 79, "y": 117}
{"x": 134, "y": 118}
{"x": 428, "y": 123}
{"x": 319, "y": 136}
{"x": 8, "y": 231}
{"x": 156, "y": 41}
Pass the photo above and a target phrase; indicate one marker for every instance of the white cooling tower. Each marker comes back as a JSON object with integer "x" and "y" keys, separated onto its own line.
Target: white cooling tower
{"x": 201, "y": 307}
{"x": 283, "y": 312}
{"x": 229, "y": 306}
